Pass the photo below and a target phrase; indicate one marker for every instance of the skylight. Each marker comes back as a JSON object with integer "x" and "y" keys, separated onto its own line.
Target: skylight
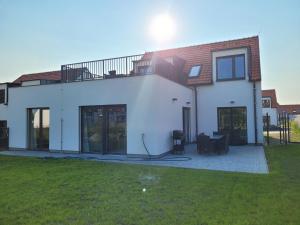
{"x": 195, "y": 71}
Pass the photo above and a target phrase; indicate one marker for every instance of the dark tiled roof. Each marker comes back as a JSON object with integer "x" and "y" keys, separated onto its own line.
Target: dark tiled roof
{"x": 202, "y": 55}
{"x": 272, "y": 94}
{"x": 51, "y": 75}
{"x": 289, "y": 108}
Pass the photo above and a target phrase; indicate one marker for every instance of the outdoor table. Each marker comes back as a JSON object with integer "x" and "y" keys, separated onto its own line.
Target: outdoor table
{"x": 216, "y": 137}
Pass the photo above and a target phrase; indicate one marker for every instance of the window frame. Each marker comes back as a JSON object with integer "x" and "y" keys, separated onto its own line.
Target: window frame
{"x": 198, "y": 73}
{"x": 234, "y": 77}
{"x": 2, "y": 96}
{"x": 269, "y": 100}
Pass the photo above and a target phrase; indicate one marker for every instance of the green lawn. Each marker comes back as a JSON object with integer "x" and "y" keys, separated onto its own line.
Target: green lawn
{"x": 56, "y": 191}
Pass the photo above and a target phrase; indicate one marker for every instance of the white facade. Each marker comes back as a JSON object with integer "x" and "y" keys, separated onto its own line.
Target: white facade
{"x": 154, "y": 108}
{"x": 150, "y": 110}
{"x": 236, "y": 93}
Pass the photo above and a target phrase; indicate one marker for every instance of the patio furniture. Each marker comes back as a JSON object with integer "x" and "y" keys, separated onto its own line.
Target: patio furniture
{"x": 222, "y": 144}
{"x": 205, "y": 144}
{"x": 178, "y": 142}
{"x": 217, "y": 133}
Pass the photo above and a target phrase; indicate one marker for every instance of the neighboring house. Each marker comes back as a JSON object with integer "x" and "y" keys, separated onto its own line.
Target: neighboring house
{"x": 113, "y": 105}
{"x": 271, "y": 107}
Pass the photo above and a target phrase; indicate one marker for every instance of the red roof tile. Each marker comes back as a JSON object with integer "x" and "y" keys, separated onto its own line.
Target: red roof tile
{"x": 51, "y": 75}
{"x": 289, "y": 108}
{"x": 202, "y": 55}
{"x": 271, "y": 94}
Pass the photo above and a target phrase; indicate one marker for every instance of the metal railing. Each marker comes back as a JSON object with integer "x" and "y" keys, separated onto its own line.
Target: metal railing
{"x": 106, "y": 68}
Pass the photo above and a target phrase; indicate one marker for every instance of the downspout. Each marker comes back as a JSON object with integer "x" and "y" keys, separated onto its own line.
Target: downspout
{"x": 254, "y": 108}
{"x": 61, "y": 110}
{"x": 196, "y": 109}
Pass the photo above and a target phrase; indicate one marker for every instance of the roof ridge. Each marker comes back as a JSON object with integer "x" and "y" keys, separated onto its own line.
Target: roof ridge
{"x": 210, "y": 43}
{"x": 52, "y": 71}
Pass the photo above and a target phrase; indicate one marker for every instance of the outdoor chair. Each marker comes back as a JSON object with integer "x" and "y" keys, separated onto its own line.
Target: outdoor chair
{"x": 222, "y": 145}
{"x": 205, "y": 144}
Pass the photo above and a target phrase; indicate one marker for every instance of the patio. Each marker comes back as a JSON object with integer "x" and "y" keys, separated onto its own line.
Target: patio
{"x": 249, "y": 159}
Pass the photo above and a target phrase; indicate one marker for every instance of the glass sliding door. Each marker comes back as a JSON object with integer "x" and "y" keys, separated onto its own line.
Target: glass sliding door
{"x": 116, "y": 130}
{"x": 233, "y": 120}
{"x": 38, "y": 128}
{"x": 186, "y": 120}
{"x": 103, "y": 129}
{"x": 92, "y": 124}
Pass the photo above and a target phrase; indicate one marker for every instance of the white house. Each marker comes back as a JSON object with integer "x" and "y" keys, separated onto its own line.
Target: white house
{"x": 270, "y": 106}
{"x": 115, "y": 106}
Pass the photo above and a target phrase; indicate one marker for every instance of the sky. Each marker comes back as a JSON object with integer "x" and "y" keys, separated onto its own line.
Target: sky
{"x": 38, "y": 36}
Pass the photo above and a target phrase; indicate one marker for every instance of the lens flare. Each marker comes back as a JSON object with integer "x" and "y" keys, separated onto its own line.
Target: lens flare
{"x": 162, "y": 28}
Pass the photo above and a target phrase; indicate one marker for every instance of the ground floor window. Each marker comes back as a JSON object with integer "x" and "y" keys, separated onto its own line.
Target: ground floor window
{"x": 186, "y": 123}
{"x": 3, "y": 134}
{"x": 103, "y": 129}
{"x": 38, "y": 128}
{"x": 233, "y": 120}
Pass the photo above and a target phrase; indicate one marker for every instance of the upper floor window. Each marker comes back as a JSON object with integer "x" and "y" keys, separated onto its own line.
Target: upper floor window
{"x": 195, "y": 71}
{"x": 2, "y": 96}
{"x": 266, "y": 103}
{"x": 231, "y": 67}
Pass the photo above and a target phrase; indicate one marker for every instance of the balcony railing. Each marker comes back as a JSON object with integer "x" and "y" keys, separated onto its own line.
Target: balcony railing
{"x": 123, "y": 67}
{"x": 104, "y": 69}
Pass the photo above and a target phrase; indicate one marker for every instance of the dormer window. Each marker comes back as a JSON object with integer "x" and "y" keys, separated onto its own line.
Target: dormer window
{"x": 231, "y": 67}
{"x": 195, "y": 71}
{"x": 266, "y": 103}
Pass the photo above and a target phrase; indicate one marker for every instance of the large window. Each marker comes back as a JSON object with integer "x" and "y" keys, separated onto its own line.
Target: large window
{"x": 233, "y": 121}
{"x": 38, "y": 128}
{"x": 103, "y": 129}
{"x": 231, "y": 67}
{"x": 2, "y": 96}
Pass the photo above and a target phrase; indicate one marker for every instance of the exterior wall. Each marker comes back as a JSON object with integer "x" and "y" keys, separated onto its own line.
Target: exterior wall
{"x": 273, "y": 113}
{"x": 150, "y": 110}
{"x": 220, "y": 95}
{"x": 31, "y": 82}
{"x": 237, "y": 93}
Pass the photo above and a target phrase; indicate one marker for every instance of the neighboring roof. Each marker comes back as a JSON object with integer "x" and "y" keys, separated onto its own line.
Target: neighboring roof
{"x": 271, "y": 94}
{"x": 51, "y": 75}
{"x": 289, "y": 108}
{"x": 202, "y": 55}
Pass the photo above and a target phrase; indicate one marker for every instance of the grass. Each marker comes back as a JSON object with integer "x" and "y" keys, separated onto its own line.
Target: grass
{"x": 295, "y": 131}
{"x": 57, "y": 191}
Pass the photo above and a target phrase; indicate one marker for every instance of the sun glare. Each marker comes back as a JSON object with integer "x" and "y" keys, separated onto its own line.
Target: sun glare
{"x": 162, "y": 28}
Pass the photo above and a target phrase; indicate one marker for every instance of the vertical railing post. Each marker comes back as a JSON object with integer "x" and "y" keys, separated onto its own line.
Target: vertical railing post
{"x": 103, "y": 69}
{"x": 288, "y": 127}
{"x": 286, "y": 131}
{"x": 127, "y": 72}
{"x": 268, "y": 127}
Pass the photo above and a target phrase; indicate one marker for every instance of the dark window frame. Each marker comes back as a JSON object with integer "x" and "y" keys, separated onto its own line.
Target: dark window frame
{"x": 2, "y": 96}
{"x": 266, "y": 106}
{"x": 198, "y": 73}
{"x": 104, "y": 135}
{"x": 234, "y": 77}
{"x": 231, "y": 120}
{"x": 28, "y": 110}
